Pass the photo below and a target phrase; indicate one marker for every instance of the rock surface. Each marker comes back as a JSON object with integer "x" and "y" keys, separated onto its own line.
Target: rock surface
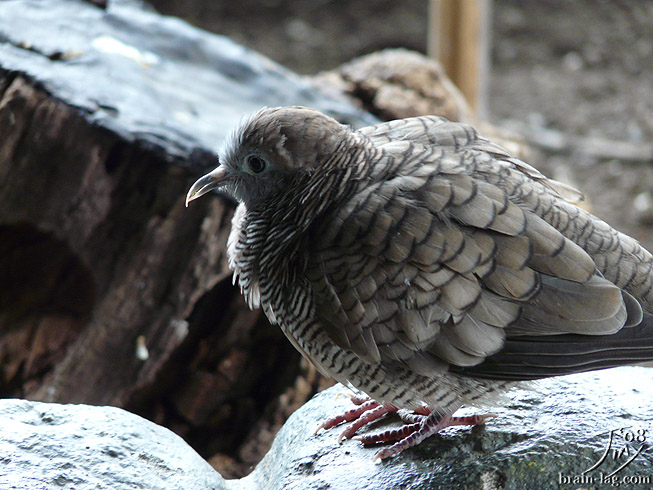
{"x": 546, "y": 436}
{"x": 47, "y": 445}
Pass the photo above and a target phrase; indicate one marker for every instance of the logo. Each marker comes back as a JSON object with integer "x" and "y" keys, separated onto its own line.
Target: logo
{"x": 629, "y": 438}
{"x": 622, "y": 447}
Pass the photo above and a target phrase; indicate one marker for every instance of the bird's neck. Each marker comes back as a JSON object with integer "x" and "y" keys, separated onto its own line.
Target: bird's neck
{"x": 270, "y": 244}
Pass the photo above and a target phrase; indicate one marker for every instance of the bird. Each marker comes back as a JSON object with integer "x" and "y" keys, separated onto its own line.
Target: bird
{"x": 423, "y": 265}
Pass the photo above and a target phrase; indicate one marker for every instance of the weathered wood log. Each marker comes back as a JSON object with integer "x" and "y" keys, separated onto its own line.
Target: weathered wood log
{"x": 99, "y": 251}
{"x": 397, "y": 83}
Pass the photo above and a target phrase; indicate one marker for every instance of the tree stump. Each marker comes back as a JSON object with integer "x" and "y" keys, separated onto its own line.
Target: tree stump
{"x": 103, "y": 267}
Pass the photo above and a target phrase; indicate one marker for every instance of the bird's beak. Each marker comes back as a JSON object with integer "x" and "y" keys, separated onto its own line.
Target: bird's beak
{"x": 204, "y": 184}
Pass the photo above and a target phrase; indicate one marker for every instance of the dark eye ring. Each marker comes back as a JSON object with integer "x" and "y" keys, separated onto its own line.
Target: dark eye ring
{"x": 256, "y": 164}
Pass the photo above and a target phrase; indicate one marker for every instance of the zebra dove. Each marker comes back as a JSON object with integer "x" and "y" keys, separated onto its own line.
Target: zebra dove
{"x": 424, "y": 265}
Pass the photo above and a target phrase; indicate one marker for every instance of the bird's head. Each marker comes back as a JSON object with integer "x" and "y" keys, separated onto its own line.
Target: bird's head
{"x": 273, "y": 153}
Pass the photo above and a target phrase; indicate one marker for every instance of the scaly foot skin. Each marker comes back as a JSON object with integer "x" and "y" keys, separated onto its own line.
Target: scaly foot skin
{"x": 419, "y": 425}
{"x": 366, "y": 411}
{"x": 431, "y": 424}
{"x": 412, "y": 434}
{"x": 363, "y": 405}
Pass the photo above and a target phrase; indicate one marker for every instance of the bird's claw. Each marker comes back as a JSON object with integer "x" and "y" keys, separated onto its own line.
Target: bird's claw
{"x": 418, "y": 425}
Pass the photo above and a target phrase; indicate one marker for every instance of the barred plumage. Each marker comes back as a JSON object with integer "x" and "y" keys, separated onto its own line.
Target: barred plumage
{"x": 423, "y": 264}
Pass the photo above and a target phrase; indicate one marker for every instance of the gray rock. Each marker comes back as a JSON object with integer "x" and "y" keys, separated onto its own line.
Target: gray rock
{"x": 81, "y": 447}
{"x": 545, "y": 436}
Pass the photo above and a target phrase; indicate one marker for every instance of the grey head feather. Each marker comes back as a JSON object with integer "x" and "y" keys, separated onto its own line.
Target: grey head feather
{"x": 292, "y": 141}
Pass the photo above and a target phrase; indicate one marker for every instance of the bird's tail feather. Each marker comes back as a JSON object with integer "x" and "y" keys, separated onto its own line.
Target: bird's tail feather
{"x": 535, "y": 357}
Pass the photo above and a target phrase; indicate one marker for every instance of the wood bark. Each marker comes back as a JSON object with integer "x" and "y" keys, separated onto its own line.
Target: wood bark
{"x": 112, "y": 292}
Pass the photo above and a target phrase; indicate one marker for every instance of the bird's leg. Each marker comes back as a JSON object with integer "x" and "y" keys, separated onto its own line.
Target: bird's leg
{"x": 413, "y": 422}
{"x": 349, "y": 415}
{"x": 418, "y": 424}
{"x": 414, "y": 416}
{"x": 359, "y": 399}
{"x": 366, "y": 418}
{"x": 410, "y": 435}
{"x": 389, "y": 435}
{"x": 367, "y": 411}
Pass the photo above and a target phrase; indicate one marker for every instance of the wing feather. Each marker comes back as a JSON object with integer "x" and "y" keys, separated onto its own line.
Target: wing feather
{"x": 448, "y": 256}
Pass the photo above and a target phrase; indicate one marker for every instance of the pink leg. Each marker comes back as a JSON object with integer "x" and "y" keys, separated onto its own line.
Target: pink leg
{"x": 359, "y": 399}
{"x": 366, "y": 418}
{"x": 349, "y": 415}
{"x": 419, "y": 425}
{"x": 367, "y": 411}
{"x": 389, "y": 435}
{"x": 413, "y": 423}
{"x": 416, "y": 433}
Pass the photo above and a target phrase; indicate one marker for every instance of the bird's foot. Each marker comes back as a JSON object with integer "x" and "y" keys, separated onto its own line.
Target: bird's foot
{"x": 366, "y": 411}
{"x": 355, "y": 398}
{"x": 417, "y": 428}
{"x": 413, "y": 422}
{"x": 418, "y": 424}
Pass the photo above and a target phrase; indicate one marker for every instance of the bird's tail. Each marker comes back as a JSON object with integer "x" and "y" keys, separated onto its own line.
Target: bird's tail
{"x": 536, "y": 357}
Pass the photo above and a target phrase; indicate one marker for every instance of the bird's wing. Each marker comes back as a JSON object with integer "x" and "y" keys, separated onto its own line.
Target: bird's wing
{"x": 436, "y": 264}
{"x": 534, "y": 357}
{"x": 435, "y": 131}
{"x": 618, "y": 257}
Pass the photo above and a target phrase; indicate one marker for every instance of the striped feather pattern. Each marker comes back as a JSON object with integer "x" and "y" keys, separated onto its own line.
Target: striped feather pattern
{"x": 424, "y": 264}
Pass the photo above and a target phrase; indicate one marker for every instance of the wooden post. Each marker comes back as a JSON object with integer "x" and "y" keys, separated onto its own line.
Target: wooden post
{"x": 458, "y": 36}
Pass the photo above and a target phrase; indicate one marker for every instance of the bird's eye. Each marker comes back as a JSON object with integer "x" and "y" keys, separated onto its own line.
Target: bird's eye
{"x": 255, "y": 164}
